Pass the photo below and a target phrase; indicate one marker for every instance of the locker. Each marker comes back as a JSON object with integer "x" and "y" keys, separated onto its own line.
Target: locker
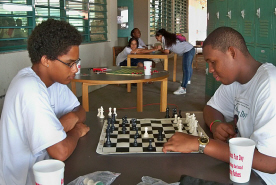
{"x": 264, "y": 54}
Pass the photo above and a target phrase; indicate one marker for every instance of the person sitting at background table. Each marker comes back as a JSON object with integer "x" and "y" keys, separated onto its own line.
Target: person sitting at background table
{"x": 132, "y": 48}
{"x": 171, "y": 43}
{"x": 135, "y": 33}
{"x": 246, "y": 96}
{"x": 41, "y": 117}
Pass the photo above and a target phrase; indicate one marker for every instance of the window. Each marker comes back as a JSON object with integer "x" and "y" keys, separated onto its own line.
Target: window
{"x": 168, "y": 14}
{"x": 19, "y": 17}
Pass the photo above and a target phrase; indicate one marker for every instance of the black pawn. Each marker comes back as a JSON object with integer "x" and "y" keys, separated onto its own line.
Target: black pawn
{"x": 124, "y": 129}
{"x": 108, "y": 142}
{"x": 150, "y": 146}
{"x": 113, "y": 122}
{"x": 160, "y": 135}
{"x": 174, "y": 112}
{"x": 133, "y": 124}
{"x": 137, "y": 134}
{"x": 109, "y": 125}
{"x": 167, "y": 113}
{"x": 135, "y": 141}
{"x": 179, "y": 114}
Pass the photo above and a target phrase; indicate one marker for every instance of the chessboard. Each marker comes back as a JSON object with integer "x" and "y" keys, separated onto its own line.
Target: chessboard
{"x": 127, "y": 71}
{"x": 128, "y": 135}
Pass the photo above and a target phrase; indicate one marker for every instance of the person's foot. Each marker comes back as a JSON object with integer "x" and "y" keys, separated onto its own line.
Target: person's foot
{"x": 180, "y": 90}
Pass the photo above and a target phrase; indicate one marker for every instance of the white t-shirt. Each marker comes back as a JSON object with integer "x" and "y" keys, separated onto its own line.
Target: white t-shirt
{"x": 179, "y": 48}
{"x": 123, "y": 55}
{"x": 29, "y": 124}
{"x": 141, "y": 43}
{"x": 255, "y": 105}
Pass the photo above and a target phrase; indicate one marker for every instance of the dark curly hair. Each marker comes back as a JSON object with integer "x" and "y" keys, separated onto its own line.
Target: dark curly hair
{"x": 52, "y": 38}
{"x": 224, "y": 37}
{"x": 170, "y": 38}
{"x": 131, "y": 39}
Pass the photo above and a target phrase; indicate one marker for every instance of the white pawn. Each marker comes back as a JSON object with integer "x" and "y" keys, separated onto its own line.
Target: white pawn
{"x": 175, "y": 118}
{"x": 114, "y": 111}
{"x": 179, "y": 121}
{"x": 146, "y": 132}
{"x": 110, "y": 112}
{"x": 194, "y": 131}
{"x": 101, "y": 112}
{"x": 180, "y": 127}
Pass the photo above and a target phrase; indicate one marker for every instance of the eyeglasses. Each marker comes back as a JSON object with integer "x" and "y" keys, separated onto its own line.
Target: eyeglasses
{"x": 70, "y": 64}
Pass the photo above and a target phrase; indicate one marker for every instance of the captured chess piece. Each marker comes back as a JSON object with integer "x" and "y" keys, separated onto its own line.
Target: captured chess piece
{"x": 110, "y": 112}
{"x": 174, "y": 112}
{"x": 179, "y": 114}
{"x": 115, "y": 112}
{"x": 101, "y": 112}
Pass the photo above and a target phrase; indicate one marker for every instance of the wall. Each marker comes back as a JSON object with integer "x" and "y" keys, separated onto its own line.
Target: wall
{"x": 92, "y": 55}
{"x": 141, "y": 19}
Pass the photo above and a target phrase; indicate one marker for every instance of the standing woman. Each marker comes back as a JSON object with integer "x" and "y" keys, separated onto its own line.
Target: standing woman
{"x": 171, "y": 43}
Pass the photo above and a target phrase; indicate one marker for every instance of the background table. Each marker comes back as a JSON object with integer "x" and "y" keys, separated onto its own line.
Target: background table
{"x": 102, "y": 78}
{"x": 168, "y": 167}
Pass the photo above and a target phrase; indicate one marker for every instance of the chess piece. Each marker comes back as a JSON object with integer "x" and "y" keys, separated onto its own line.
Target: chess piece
{"x": 150, "y": 145}
{"x": 167, "y": 112}
{"x": 146, "y": 133}
{"x": 137, "y": 133}
{"x": 108, "y": 141}
{"x": 110, "y": 112}
{"x": 135, "y": 141}
{"x": 180, "y": 127}
{"x": 133, "y": 121}
{"x": 160, "y": 135}
{"x": 179, "y": 114}
{"x": 101, "y": 112}
{"x": 174, "y": 112}
{"x": 187, "y": 117}
{"x": 114, "y": 111}
{"x": 175, "y": 118}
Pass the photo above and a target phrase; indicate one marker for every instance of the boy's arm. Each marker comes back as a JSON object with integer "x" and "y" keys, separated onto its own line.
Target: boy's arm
{"x": 63, "y": 149}
{"x": 185, "y": 143}
{"x": 69, "y": 120}
{"x": 220, "y": 129}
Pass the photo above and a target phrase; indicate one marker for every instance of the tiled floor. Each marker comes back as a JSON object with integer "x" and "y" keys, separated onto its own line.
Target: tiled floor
{"x": 117, "y": 96}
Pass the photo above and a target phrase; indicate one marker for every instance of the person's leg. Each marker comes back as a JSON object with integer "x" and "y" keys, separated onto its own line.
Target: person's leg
{"x": 124, "y": 63}
{"x": 187, "y": 61}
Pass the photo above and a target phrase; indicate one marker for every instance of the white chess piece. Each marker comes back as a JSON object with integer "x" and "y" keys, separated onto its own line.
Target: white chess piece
{"x": 114, "y": 111}
{"x": 146, "y": 132}
{"x": 180, "y": 127}
{"x": 178, "y": 121}
{"x": 194, "y": 132}
{"x": 101, "y": 112}
{"x": 175, "y": 118}
{"x": 187, "y": 117}
{"x": 110, "y": 112}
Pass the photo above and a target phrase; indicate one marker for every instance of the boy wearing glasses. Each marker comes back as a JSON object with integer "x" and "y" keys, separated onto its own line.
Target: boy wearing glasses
{"x": 41, "y": 117}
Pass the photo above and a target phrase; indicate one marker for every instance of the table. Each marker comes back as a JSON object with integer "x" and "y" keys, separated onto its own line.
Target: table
{"x": 157, "y": 55}
{"x": 168, "y": 167}
{"x": 102, "y": 78}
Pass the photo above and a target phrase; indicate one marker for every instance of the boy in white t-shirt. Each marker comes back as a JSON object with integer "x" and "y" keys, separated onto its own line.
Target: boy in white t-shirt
{"x": 246, "y": 98}
{"x": 41, "y": 117}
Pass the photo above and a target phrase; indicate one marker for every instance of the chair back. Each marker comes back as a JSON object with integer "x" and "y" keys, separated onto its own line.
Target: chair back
{"x": 116, "y": 51}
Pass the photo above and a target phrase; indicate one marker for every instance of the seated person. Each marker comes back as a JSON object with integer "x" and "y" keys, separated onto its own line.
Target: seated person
{"x": 246, "y": 96}
{"x": 135, "y": 33}
{"x": 132, "y": 48}
{"x": 41, "y": 117}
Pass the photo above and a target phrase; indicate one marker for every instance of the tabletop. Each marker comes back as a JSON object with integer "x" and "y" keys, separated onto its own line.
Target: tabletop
{"x": 88, "y": 76}
{"x": 132, "y": 167}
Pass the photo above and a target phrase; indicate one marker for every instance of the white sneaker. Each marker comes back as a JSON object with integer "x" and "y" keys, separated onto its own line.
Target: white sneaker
{"x": 189, "y": 82}
{"x": 180, "y": 90}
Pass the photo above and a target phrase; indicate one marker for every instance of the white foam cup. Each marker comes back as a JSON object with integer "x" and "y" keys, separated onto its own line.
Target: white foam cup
{"x": 241, "y": 157}
{"x": 147, "y": 67}
{"x": 49, "y": 172}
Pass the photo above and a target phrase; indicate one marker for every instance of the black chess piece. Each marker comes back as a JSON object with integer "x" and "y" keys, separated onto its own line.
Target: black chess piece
{"x": 179, "y": 114}
{"x": 135, "y": 141}
{"x": 113, "y": 120}
{"x": 160, "y": 135}
{"x": 108, "y": 141}
{"x": 174, "y": 112}
{"x": 137, "y": 134}
{"x": 150, "y": 146}
{"x": 124, "y": 129}
{"x": 133, "y": 124}
{"x": 167, "y": 113}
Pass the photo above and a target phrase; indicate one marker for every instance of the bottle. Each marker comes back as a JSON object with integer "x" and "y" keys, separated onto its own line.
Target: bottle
{"x": 79, "y": 68}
